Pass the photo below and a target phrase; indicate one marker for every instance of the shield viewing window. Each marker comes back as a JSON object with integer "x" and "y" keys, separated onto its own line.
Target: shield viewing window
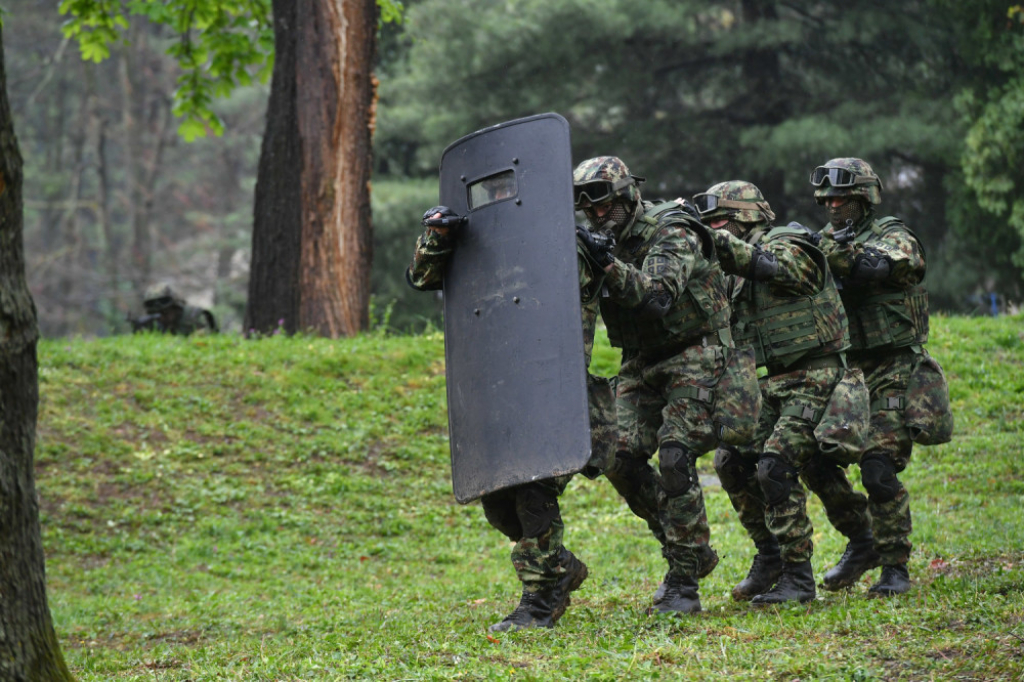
{"x": 493, "y": 188}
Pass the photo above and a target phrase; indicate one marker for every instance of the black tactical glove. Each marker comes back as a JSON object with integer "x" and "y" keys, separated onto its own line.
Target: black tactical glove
{"x": 870, "y": 267}
{"x": 449, "y": 218}
{"x": 763, "y": 265}
{"x": 845, "y": 235}
{"x": 598, "y": 246}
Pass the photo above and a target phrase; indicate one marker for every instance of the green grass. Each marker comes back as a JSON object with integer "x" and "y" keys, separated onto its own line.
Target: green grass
{"x": 281, "y": 509}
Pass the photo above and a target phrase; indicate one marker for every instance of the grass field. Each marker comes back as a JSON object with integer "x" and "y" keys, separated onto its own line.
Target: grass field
{"x": 281, "y": 509}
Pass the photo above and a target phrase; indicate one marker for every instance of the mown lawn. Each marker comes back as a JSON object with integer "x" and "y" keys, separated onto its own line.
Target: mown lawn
{"x": 281, "y": 509}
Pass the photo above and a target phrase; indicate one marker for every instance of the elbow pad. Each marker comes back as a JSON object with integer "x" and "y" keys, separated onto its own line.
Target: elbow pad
{"x": 763, "y": 265}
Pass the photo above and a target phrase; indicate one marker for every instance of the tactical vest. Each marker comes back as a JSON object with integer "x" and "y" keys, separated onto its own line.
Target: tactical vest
{"x": 701, "y": 308}
{"x": 785, "y": 329}
{"x": 879, "y": 317}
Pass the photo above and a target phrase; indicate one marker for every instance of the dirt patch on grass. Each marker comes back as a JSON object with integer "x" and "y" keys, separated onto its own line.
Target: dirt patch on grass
{"x": 122, "y": 641}
{"x": 960, "y": 567}
{"x": 187, "y": 637}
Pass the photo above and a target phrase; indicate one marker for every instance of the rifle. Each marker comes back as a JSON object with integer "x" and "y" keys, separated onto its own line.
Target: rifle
{"x": 145, "y": 323}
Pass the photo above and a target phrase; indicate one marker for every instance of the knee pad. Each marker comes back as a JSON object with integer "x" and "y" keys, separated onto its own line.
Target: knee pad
{"x": 629, "y": 472}
{"x": 775, "y": 477}
{"x": 536, "y": 509}
{"x": 500, "y": 512}
{"x": 878, "y": 475}
{"x": 733, "y": 470}
{"x": 678, "y": 472}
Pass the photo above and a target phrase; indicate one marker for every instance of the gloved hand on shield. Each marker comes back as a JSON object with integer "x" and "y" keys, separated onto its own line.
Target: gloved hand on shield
{"x": 443, "y": 217}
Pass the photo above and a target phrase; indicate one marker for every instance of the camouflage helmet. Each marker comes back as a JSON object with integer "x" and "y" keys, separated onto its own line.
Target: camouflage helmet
{"x": 601, "y": 179}
{"x": 736, "y": 200}
{"x": 160, "y": 297}
{"x": 846, "y": 177}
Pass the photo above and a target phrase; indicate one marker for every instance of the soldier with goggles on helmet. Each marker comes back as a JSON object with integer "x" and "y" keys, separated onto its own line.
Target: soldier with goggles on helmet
{"x": 880, "y": 264}
{"x": 786, "y": 305}
{"x": 682, "y": 385}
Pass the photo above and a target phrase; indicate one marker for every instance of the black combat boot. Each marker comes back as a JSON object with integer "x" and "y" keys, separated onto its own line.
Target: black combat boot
{"x": 895, "y": 579}
{"x": 860, "y": 557}
{"x": 708, "y": 561}
{"x": 676, "y": 594}
{"x": 764, "y": 572}
{"x": 543, "y": 608}
{"x": 795, "y": 584}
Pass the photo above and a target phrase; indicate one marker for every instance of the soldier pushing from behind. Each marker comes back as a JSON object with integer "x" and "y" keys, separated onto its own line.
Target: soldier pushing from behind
{"x": 682, "y": 385}
{"x": 785, "y": 304}
{"x": 881, "y": 264}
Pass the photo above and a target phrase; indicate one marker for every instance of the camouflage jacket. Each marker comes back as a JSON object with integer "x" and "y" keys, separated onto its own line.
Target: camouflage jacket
{"x": 796, "y": 314}
{"x": 429, "y": 260}
{"x": 890, "y": 312}
{"x": 902, "y": 247}
{"x": 664, "y": 286}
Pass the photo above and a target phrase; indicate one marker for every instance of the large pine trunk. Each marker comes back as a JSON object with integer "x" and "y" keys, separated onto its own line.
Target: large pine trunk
{"x": 312, "y": 239}
{"x": 28, "y": 644}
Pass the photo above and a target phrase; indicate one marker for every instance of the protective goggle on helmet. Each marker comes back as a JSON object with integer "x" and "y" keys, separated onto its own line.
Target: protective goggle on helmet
{"x": 839, "y": 177}
{"x": 707, "y": 203}
{"x": 598, "y": 191}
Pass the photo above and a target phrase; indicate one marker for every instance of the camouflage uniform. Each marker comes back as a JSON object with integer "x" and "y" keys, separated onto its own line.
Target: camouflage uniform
{"x": 880, "y": 264}
{"x": 664, "y": 302}
{"x": 175, "y": 316}
{"x": 527, "y": 514}
{"x": 786, "y": 305}
{"x": 600, "y": 390}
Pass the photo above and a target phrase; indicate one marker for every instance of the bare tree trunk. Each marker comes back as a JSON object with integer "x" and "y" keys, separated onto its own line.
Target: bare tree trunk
{"x": 277, "y": 212}
{"x": 29, "y": 649}
{"x": 231, "y": 196}
{"x": 147, "y": 117}
{"x": 108, "y": 239}
{"x": 142, "y": 240}
{"x": 69, "y": 266}
{"x": 312, "y": 237}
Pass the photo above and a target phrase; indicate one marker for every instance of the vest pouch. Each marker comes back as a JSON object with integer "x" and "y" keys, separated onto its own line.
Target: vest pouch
{"x": 844, "y": 424}
{"x": 927, "y": 414}
{"x": 603, "y": 438}
{"x": 737, "y": 398}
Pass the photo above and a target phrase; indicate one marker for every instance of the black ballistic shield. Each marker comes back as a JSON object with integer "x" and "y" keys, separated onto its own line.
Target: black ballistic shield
{"x": 516, "y": 374}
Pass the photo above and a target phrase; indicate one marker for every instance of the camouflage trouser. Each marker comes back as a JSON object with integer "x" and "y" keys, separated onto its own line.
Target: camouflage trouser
{"x": 528, "y": 514}
{"x": 786, "y": 442}
{"x": 654, "y": 413}
{"x": 601, "y": 404}
{"x": 887, "y": 377}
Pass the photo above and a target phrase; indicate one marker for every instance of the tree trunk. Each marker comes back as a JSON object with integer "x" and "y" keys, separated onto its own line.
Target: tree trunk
{"x": 312, "y": 239}
{"x": 107, "y": 237}
{"x": 29, "y": 649}
{"x": 142, "y": 239}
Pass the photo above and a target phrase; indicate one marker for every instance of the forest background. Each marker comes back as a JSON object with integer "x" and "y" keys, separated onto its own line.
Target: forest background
{"x": 688, "y": 93}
